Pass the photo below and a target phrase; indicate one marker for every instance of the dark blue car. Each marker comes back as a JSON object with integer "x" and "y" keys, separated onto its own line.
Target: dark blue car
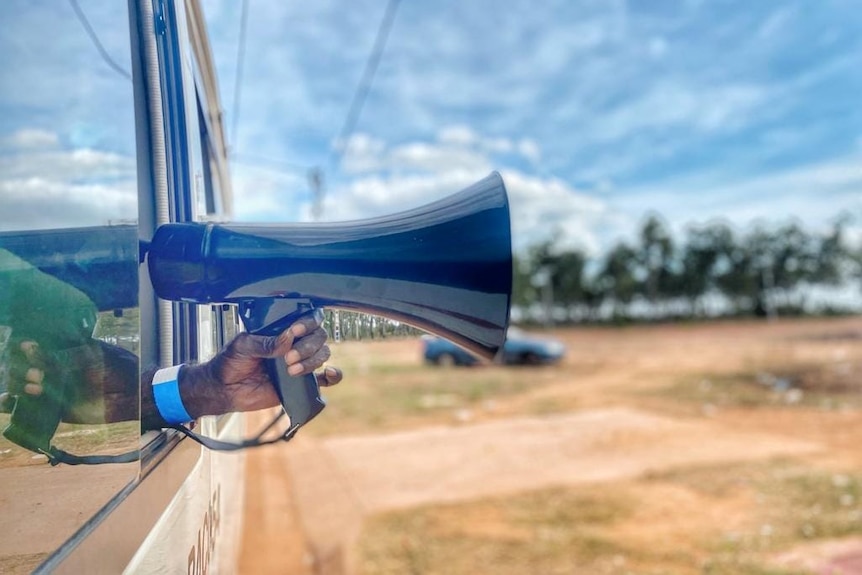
{"x": 520, "y": 348}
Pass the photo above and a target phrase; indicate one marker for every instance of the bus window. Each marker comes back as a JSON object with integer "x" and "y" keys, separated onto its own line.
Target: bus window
{"x": 69, "y": 322}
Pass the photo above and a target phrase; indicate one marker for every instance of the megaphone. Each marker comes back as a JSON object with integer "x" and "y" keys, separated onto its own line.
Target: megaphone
{"x": 445, "y": 268}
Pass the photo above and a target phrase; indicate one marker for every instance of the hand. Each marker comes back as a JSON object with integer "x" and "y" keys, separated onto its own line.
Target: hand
{"x": 236, "y": 378}
{"x": 96, "y": 382}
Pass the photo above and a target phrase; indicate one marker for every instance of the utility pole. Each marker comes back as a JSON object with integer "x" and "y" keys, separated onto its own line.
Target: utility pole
{"x": 315, "y": 181}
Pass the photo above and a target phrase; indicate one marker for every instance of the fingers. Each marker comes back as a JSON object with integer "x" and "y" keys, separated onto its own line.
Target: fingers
{"x": 33, "y": 381}
{"x": 303, "y": 328}
{"x": 27, "y": 371}
{"x": 261, "y": 346}
{"x": 307, "y": 364}
{"x": 306, "y": 346}
{"x": 30, "y": 349}
{"x": 329, "y": 376}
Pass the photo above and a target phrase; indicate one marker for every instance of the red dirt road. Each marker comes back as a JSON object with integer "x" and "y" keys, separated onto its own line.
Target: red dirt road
{"x": 328, "y": 486}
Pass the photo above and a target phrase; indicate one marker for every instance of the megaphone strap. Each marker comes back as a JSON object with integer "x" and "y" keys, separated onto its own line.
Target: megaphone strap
{"x": 56, "y": 456}
{"x": 219, "y": 445}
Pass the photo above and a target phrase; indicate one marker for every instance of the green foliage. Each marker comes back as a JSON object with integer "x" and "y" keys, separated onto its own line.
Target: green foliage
{"x": 764, "y": 271}
{"x": 349, "y": 325}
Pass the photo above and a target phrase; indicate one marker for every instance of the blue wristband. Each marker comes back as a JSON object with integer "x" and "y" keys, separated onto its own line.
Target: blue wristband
{"x": 166, "y": 393}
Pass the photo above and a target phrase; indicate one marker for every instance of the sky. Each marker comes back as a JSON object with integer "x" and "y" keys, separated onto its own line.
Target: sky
{"x": 67, "y": 126}
{"x": 596, "y": 113}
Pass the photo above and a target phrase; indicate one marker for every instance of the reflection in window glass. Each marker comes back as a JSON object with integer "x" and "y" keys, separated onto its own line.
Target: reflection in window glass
{"x": 69, "y": 323}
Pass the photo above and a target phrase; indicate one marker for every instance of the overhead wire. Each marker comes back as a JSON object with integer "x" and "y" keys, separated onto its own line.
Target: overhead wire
{"x": 94, "y": 38}
{"x": 240, "y": 61}
{"x": 364, "y": 86}
{"x": 355, "y": 110}
{"x": 260, "y": 160}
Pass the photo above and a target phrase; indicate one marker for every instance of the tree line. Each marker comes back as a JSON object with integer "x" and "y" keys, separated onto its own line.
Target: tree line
{"x": 714, "y": 270}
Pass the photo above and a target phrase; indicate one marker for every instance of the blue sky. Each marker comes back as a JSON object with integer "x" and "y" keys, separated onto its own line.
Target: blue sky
{"x": 67, "y": 140}
{"x": 596, "y": 113}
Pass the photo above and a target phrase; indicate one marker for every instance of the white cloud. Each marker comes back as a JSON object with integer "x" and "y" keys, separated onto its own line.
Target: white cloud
{"x": 381, "y": 194}
{"x": 546, "y": 208}
{"x": 456, "y": 148}
{"x": 432, "y": 158}
{"x": 530, "y": 150}
{"x": 30, "y": 138}
{"x": 412, "y": 174}
{"x": 264, "y": 194}
{"x": 813, "y": 193}
{"x": 81, "y": 164}
{"x": 675, "y": 105}
{"x": 39, "y": 203}
{"x": 52, "y": 188}
{"x": 685, "y": 111}
{"x": 457, "y": 135}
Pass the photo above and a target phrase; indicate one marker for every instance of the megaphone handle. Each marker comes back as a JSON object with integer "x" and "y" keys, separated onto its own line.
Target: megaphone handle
{"x": 300, "y": 395}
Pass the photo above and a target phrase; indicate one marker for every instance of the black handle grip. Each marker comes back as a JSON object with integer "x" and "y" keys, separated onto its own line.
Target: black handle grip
{"x": 300, "y": 395}
{"x": 35, "y": 418}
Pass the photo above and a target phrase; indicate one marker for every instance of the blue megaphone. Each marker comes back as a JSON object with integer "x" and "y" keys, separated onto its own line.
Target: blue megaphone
{"x": 445, "y": 268}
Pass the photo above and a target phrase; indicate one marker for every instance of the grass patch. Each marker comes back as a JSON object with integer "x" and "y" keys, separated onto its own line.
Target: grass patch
{"x": 790, "y": 504}
{"x": 388, "y": 388}
{"x": 826, "y": 386}
{"x": 423, "y": 395}
{"x": 549, "y": 531}
{"x": 658, "y": 524}
{"x": 103, "y": 438}
{"x": 76, "y": 439}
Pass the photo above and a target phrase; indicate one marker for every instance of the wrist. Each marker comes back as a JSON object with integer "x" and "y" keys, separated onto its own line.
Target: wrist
{"x": 166, "y": 396}
{"x": 201, "y": 392}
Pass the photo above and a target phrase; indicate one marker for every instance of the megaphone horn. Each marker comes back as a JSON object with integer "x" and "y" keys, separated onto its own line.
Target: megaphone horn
{"x": 445, "y": 268}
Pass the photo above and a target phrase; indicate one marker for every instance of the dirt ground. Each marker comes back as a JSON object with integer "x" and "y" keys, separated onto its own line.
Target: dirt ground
{"x": 625, "y": 405}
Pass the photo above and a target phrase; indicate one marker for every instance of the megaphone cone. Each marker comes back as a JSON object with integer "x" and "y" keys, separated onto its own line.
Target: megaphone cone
{"x": 445, "y": 267}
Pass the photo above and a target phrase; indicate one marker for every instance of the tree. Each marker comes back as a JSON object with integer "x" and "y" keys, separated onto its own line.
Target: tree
{"x": 832, "y": 255}
{"x": 707, "y": 252}
{"x": 616, "y": 278}
{"x": 523, "y": 291}
{"x": 656, "y": 256}
{"x": 567, "y": 278}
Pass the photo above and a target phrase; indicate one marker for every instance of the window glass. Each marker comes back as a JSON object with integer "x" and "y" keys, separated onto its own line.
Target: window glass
{"x": 69, "y": 324}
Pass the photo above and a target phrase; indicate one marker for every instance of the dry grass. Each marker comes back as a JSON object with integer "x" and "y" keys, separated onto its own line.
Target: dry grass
{"x": 97, "y": 439}
{"x": 795, "y": 378}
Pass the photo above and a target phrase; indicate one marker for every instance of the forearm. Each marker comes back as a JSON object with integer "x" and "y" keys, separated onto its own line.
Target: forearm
{"x": 200, "y": 392}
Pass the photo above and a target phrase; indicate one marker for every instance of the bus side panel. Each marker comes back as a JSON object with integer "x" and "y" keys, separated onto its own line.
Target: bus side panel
{"x": 200, "y": 530}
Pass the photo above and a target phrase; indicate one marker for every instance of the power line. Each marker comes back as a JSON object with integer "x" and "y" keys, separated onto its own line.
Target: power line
{"x": 259, "y": 160}
{"x": 82, "y": 18}
{"x": 365, "y": 82}
{"x": 240, "y": 59}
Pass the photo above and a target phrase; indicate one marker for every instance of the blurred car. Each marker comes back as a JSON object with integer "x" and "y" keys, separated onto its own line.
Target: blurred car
{"x": 520, "y": 348}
